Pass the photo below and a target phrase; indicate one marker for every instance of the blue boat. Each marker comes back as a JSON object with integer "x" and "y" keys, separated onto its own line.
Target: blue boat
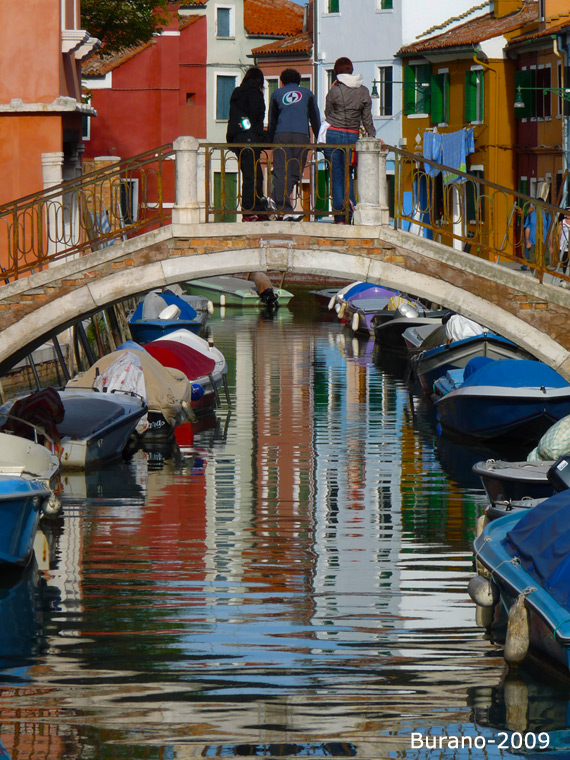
{"x": 442, "y": 351}
{"x": 524, "y": 560}
{"x": 22, "y": 501}
{"x": 160, "y": 313}
{"x": 517, "y": 399}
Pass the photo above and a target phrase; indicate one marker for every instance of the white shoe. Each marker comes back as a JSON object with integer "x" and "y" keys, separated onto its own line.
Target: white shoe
{"x": 293, "y": 217}
{"x": 271, "y": 204}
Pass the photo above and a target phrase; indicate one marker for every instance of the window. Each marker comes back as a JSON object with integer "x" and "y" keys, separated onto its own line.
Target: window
{"x": 333, "y": 6}
{"x": 330, "y": 78}
{"x": 306, "y": 82}
{"x": 85, "y": 127}
{"x": 272, "y": 85}
{"x": 440, "y": 97}
{"x": 385, "y": 5}
{"x": 417, "y": 89}
{"x": 474, "y": 95}
{"x": 384, "y": 89}
{"x": 225, "y": 21}
{"x": 225, "y": 85}
{"x": 543, "y": 94}
{"x": 129, "y": 201}
{"x": 535, "y": 93}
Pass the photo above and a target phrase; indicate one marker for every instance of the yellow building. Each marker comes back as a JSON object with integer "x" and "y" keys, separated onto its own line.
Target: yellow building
{"x": 460, "y": 84}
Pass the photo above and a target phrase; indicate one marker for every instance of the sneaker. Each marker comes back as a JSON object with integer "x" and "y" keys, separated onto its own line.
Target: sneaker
{"x": 293, "y": 217}
{"x": 524, "y": 268}
{"x": 270, "y": 204}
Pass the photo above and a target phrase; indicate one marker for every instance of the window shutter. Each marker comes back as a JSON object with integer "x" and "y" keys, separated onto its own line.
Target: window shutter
{"x": 409, "y": 90}
{"x": 423, "y": 94}
{"x": 470, "y": 96}
{"x": 437, "y": 84}
{"x": 525, "y": 79}
{"x": 334, "y": 6}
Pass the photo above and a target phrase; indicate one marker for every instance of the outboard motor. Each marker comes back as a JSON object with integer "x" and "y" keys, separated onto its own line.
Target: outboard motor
{"x": 559, "y": 474}
{"x": 407, "y": 310}
{"x": 264, "y": 287}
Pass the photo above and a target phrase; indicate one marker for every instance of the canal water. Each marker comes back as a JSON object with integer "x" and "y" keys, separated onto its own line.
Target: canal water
{"x": 288, "y": 582}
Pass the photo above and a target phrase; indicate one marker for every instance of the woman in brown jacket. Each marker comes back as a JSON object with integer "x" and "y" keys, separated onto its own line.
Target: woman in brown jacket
{"x": 348, "y": 106}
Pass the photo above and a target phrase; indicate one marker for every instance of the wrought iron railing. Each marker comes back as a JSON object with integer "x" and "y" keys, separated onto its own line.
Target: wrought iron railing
{"x": 306, "y": 174}
{"x": 86, "y": 213}
{"x": 477, "y": 216}
{"x": 137, "y": 195}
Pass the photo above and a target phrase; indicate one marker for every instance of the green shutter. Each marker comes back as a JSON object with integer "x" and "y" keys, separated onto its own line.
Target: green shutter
{"x": 409, "y": 90}
{"x": 225, "y": 196}
{"x": 437, "y": 85}
{"x": 524, "y": 80}
{"x": 334, "y": 6}
{"x": 387, "y": 5}
{"x": 481, "y": 77}
{"x": 423, "y": 93}
{"x": 470, "y": 96}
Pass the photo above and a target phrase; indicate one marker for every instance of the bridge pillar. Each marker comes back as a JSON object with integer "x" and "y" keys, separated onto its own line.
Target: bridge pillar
{"x": 372, "y": 205}
{"x": 186, "y": 208}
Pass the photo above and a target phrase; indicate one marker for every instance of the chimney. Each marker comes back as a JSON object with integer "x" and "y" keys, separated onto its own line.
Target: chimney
{"x": 506, "y": 7}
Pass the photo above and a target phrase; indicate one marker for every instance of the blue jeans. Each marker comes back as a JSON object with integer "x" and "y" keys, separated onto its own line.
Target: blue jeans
{"x": 338, "y": 161}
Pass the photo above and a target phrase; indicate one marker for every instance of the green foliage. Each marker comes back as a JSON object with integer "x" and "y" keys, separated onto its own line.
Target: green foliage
{"x": 124, "y": 23}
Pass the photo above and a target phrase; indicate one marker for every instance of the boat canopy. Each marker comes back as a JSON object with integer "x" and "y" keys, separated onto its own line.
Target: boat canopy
{"x": 514, "y": 373}
{"x": 541, "y": 540}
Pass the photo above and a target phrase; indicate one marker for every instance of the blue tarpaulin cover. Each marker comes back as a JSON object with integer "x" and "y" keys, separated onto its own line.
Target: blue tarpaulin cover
{"x": 541, "y": 539}
{"x": 516, "y": 373}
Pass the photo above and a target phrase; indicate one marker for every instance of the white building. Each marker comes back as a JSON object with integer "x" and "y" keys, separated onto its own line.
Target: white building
{"x": 370, "y": 32}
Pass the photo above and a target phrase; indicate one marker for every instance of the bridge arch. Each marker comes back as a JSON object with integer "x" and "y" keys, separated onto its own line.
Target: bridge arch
{"x": 533, "y": 314}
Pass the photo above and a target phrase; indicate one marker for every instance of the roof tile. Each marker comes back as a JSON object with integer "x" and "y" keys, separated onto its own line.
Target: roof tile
{"x": 273, "y": 18}
{"x": 475, "y": 30}
{"x": 302, "y": 43}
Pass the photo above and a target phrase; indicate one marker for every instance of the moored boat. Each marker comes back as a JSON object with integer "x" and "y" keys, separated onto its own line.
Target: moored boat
{"x": 167, "y": 392}
{"x": 22, "y": 501}
{"x": 226, "y": 290}
{"x": 523, "y": 560}
{"x": 162, "y": 312}
{"x": 201, "y": 362}
{"x": 453, "y": 345}
{"x": 509, "y": 398}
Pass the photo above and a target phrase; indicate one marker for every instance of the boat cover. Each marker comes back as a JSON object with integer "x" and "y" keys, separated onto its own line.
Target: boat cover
{"x": 154, "y": 303}
{"x": 515, "y": 373}
{"x": 541, "y": 540}
{"x": 171, "y": 353}
{"x": 42, "y": 408}
{"x": 164, "y": 389}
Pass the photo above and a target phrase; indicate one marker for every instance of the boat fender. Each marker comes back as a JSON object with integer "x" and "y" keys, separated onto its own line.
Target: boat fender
{"x": 51, "y": 506}
{"x": 189, "y": 412}
{"x": 222, "y": 300}
{"x": 341, "y": 310}
{"x": 210, "y": 307}
{"x": 332, "y": 302}
{"x": 170, "y": 313}
{"x": 518, "y": 636}
{"x": 516, "y": 702}
{"x": 481, "y": 524}
{"x": 483, "y": 591}
{"x": 483, "y": 616}
{"x": 197, "y": 391}
{"x": 355, "y": 322}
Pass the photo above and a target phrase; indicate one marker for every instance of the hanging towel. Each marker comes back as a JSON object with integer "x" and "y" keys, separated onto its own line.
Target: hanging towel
{"x": 432, "y": 151}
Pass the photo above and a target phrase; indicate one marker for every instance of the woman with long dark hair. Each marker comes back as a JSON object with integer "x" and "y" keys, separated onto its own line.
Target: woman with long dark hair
{"x": 245, "y": 125}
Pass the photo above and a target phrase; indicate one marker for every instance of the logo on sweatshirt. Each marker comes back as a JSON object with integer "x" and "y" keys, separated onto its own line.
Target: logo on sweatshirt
{"x": 290, "y": 98}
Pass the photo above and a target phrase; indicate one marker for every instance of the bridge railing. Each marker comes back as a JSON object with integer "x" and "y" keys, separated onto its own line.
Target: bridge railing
{"x": 87, "y": 213}
{"x": 477, "y": 216}
{"x": 193, "y": 181}
{"x": 305, "y": 171}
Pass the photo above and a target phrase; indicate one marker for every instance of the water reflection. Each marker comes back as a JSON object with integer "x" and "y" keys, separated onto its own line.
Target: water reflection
{"x": 289, "y": 581}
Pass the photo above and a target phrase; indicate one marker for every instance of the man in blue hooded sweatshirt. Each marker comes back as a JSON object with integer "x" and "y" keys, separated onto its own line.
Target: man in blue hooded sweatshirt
{"x": 291, "y": 110}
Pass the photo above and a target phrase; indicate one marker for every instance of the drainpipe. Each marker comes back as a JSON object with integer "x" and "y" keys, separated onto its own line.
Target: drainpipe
{"x": 496, "y": 148}
{"x": 562, "y": 55}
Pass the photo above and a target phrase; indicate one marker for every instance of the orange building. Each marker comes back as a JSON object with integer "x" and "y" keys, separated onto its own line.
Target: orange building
{"x": 40, "y": 101}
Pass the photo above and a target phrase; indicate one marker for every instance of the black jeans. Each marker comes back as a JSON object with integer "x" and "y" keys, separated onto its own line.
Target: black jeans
{"x": 252, "y": 197}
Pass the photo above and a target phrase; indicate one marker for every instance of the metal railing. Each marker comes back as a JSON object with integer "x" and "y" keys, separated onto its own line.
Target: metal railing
{"x": 86, "y": 213}
{"x": 305, "y": 172}
{"x": 137, "y": 195}
{"x": 477, "y": 216}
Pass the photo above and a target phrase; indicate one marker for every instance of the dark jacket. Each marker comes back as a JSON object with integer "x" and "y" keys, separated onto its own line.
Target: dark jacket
{"x": 291, "y": 109}
{"x": 246, "y": 100}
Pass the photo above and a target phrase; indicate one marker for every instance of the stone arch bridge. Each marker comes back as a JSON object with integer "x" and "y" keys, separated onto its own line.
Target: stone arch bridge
{"x": 512, "y": 302}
